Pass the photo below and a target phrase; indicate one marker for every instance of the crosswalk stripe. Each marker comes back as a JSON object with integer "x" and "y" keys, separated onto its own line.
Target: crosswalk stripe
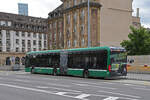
{"x": 82, "y": 96}
{"x": 111, "y": 98}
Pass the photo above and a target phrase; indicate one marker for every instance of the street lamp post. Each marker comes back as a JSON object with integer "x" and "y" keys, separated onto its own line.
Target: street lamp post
{"x": 89, "y": 35}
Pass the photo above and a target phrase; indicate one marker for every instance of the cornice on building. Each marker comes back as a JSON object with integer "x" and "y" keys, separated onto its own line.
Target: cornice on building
{"x": 58, "y": 12}
{"x": 92, "y": 4}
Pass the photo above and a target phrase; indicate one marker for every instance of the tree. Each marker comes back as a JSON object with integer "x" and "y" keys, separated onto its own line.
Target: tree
{"x": 138, "y": 43}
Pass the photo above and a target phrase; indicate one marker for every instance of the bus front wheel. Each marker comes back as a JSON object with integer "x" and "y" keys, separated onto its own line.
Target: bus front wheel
{"x": 86, "y": 74}
{"x": 54, "y": 72}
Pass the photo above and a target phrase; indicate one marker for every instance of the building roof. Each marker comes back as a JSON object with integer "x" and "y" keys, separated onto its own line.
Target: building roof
{"x": 22, "y": 18}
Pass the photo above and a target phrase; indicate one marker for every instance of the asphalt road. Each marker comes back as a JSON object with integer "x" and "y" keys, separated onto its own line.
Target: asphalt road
{"x": 26, "y": 86}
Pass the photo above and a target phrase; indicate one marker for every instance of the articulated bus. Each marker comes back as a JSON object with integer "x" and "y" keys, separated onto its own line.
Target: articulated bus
{"x": 101, "y": 62}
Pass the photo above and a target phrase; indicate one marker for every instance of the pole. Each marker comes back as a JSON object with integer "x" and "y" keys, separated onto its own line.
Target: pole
{"x": 89, "y": 35}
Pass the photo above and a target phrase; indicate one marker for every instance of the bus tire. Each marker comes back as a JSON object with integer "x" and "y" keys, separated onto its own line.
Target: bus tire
{"x": 55, "y": 72}
{"x": 32, "y": 71}
{"x": 86, "y": 74}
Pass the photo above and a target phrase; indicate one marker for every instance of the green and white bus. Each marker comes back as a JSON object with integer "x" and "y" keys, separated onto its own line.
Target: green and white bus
{"x": 84, "y": 62}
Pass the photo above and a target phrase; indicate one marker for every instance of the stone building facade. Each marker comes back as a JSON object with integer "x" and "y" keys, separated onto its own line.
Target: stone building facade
{"x": 110, "y": 22}
{"x": 68, "y": 25}
{"x": 20, "y": 34}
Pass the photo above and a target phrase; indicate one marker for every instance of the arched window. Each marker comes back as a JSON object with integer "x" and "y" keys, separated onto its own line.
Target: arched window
{"x": 8, "y": 62}
{"x": 17, "y": 60}
{"x": 23, "y": 60}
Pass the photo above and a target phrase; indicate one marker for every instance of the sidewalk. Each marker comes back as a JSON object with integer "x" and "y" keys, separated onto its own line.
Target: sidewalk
{"x": 142, "y": 77}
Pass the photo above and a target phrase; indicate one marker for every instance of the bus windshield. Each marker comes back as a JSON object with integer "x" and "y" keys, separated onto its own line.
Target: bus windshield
{"x": 118, "y": 57}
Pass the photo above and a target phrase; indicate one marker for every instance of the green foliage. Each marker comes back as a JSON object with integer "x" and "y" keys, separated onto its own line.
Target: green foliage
{"x": 138, "y": 43}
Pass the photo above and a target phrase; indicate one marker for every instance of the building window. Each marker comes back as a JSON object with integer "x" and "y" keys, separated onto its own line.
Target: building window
{"x": 68, "y": 19}
{"x": 75, "y": 18}
{"x": 68, "y": 4}
{"x": 82, "y": 43}
{"x": 23, "y": 43}
{"x": 7, "y": 34}
{"x": 8, "y": 42}
{"x": 0, "y": 42}
{"x": 29, "y": 43}
{"x": 82, "y": 15}
{"x": 1, "y": 49}
{"x": 3, "y": 23}
{"x": 34, "y": 42}
{"x": 40, "y": 36}
{"x": 29, "y": 49}
{"x": 45, "y": 37}
{"x": 23, "y": 34}
{"x": 17, "y": 49}
{"x": 75, "y": 43}
{"x": 9, "y": 23}
{"x": 17, "y": 34}
{"x": 69, "y": 44}
{"x": 17, "y": 41}
{"x": 68, "y": 34}
{"x": 74, "y": 2}
{"x": 82, "y": 30}
{"x": 45, "y": 44}
{"x": 29, "y": 34}
{"x": 34, "y": 35}
{"x": 1, "y": 33}
{"x": 40, "y": 43}
{"x": 60, "y": 36}
{"x": 7, "y": 49}
{"x": 23, "y": 49}
{"x": 82, "y": 1}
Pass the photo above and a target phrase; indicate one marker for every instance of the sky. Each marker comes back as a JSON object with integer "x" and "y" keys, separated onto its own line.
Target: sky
{"x": 41, "y": 8}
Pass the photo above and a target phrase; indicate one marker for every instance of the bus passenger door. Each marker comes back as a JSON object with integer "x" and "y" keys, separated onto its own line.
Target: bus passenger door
{"x": 63, "y": 63}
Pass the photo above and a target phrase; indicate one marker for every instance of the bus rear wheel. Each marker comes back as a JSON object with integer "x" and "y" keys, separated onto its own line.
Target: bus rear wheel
{"x": 86, "y": 74}
{"x": 54, "y": 72}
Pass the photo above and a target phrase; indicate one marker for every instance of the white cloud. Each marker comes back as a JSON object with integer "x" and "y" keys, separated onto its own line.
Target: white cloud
{"x": 38, "y": 8}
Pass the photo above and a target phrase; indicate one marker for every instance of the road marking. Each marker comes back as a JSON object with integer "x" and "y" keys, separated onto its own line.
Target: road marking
{"x": 81, "y": 84}
{"x": 111, "y": 98}
{"x": 35, "y": 90}
{"x": 61, "y": 93}
{"x": 82, "y": 96}
{"x": 42, "y": 87}
{"x": 120, "y": 94}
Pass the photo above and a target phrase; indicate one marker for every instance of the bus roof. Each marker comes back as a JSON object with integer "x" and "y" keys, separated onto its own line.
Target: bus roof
{"x": 68, "y": 50}
{"x": 76, "y": 49}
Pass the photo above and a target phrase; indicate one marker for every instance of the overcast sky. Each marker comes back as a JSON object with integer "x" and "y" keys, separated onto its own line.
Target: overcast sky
{"x": 41, "y": 8}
